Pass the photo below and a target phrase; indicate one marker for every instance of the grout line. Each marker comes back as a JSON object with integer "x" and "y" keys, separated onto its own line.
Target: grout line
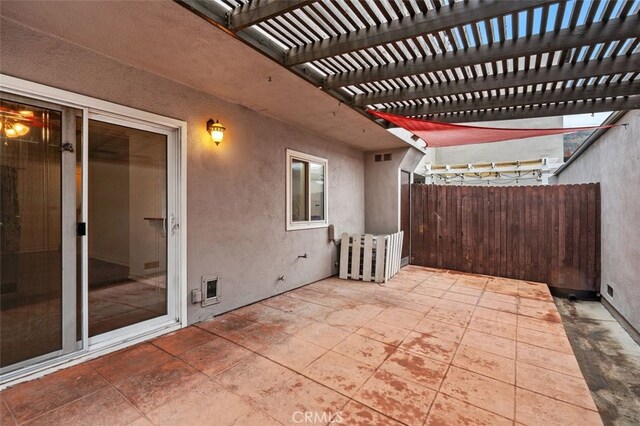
{"x": 13, "y": 417}
{"x": 121, "y": 394}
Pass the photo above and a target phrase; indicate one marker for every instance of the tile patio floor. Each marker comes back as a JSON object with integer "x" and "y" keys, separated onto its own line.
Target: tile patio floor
{"x": 430, "y": 347}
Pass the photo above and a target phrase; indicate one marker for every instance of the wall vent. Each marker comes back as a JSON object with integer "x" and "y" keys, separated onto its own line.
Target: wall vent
{"x": 382, "y": 157}
{"x": 210, "y": 290}
{"x": 609, "y": 290}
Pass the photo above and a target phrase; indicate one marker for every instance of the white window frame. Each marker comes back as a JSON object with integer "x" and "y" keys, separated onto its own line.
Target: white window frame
{"x": 310, "y": 224}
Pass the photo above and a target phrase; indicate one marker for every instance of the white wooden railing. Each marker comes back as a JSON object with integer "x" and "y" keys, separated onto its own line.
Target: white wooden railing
{"x": 370, "y": 258}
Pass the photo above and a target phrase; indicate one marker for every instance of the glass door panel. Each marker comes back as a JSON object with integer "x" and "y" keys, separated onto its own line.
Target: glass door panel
{"x": 127, "y": 226}
{"x": 31, "y": 233}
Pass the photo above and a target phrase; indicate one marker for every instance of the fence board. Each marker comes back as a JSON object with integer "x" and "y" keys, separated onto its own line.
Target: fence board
{"x": 546, "y": 233}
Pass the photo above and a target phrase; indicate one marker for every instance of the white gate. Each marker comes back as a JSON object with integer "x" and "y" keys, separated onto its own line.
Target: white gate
{"x": 370, "y": 258}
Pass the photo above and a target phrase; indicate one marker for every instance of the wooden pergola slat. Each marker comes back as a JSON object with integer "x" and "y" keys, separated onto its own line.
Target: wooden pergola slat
{"x": 261, "y": 10}
{"x": 522, "y": 99}
{"x": 583, "y": 107}
{"x": 407, "y": 27}
{"x": 619, "y": 65}
{"x": 566, "y": 39}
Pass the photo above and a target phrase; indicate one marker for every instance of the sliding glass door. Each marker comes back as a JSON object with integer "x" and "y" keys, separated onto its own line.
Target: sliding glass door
{"x": 38, "y": 287}
{"x": 88, "y": 231}
{"x": 127, "y": 226}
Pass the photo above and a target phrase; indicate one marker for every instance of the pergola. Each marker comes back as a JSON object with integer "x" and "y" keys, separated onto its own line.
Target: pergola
{"x": 446, "y": 60}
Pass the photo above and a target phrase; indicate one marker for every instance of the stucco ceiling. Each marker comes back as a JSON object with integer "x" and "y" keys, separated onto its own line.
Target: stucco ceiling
{"x": 166, "y": 39}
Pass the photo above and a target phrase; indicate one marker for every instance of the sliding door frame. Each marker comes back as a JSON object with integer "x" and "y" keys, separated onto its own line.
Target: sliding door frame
{"x": 176, "y": 131}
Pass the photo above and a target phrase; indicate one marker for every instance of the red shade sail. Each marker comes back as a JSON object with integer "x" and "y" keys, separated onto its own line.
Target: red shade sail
{"x": 438, "y": 134}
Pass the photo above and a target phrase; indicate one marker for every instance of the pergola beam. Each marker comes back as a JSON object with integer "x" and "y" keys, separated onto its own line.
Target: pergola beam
{"x": 600, "y": 32}
{"x": 522, "y": 99}
{"x": 585, "y": 107}
{"x": 432, "y": 21}
{"x": 610, "y": 66}
{"x": 260, "y": 10}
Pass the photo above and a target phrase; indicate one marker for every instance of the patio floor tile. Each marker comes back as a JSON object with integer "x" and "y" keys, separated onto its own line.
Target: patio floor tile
{"x": 549, "y": 359}
{"x": 315, "y": 312}
{"x": 429, "y": 346}
{"x": 215, "y": 356}
{"x": 533, "y": 409}
{"x": 492, "y": 327}
{"x": 257, "y": 336}
{"x": 484, "y": 392}
{"x": 365, "y": 350}
{"x": 565, "y": 388}
{"x": 466, "y": 289}
{"x": 462, "y": 298}
{"x": 322, "y": 334}
{"x": 293, "y": 352}
{"x": 400, "y": 318}
{"x": 356, "y": 414}
{"x": 485, "y": 363}
{"x": 419, "y": 369}
{"x": 6, "y": 419}
{"x": 104, "y": 407}
{"x": 225, "y": 324}
{"x": 339, "y": 372}
{"x": 451, "y": 411}
{"x": 428, "y": 291}
{"x": 183, "y": 340}
{"x": 397, "y": 398}
{"x": 457, "y": 318}
{"x": 497, "y": 316}
{"x": 122, "y": 364}
{"x": 255, "y": 377}
{"x": 342, "y": 351}
{"x": 555, "y": 342}
{"x": 258, "y": 312}
{"x": 288, "y": 403}
{"x": 153, "y": 387}
{"x": 288, "y": 323}
{"x": 440, "y": 329}
{"x": 207, "y": 403}
{"x": 285, "y": 303}
{"x": 383, "y": 332}
{"x": 490, "y": 343}
{"x": 37, "y": 397}
{"x": 498, "y": 305}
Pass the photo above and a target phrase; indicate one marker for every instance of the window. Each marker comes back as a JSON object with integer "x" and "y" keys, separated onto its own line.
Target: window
{"x": 306, "y": 191}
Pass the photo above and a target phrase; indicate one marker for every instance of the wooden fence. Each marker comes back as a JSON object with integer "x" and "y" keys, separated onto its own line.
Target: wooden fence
{"x": 370, "y": 258}
{"x": 546, "y": 233}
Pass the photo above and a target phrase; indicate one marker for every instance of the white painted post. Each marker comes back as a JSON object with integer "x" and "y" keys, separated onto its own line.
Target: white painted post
{"x": 368, "y": 253}
{"x": 380, "y": 258}
{"x": 344, "y": 255}
{"x": 355, "y": 257}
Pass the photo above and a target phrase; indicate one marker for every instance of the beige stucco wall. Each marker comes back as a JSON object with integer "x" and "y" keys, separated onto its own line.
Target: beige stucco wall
{"x": 236, "y": 192}
{"x": 613, "y": 161}
{"x": 382, "y": 189}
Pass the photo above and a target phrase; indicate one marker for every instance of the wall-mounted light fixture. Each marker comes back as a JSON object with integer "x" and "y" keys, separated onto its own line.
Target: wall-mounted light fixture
{"x": 216, "y": 130}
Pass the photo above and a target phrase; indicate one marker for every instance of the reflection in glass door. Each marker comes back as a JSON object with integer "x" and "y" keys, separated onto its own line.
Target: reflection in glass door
{"x": 37, "y": 233}
{"x": 127, "y": 199}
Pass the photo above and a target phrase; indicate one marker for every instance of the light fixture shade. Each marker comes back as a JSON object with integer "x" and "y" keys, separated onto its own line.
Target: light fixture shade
{"x": 14, "y": 130}
{"x": 216, "y": 130}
